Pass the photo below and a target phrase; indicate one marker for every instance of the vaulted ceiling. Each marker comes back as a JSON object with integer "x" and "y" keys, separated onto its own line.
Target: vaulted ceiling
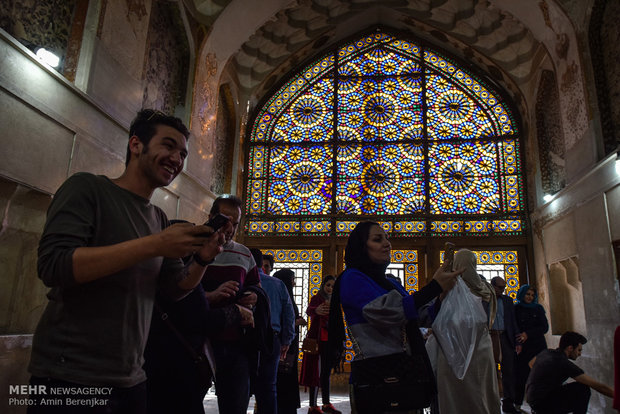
{"x": 482, "y": 32}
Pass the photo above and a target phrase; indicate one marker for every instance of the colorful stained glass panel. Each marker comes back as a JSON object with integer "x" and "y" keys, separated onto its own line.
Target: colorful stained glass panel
{"x": 463, "y": 178}
{"x": 300, "y": 180}
{"x": 505, "y": 264}
{"x": 386, "y": 179}
{"x": 453, "y": 113}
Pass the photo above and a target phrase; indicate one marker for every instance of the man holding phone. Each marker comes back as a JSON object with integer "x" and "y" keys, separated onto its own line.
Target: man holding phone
{"x": 104, "y": 252}
{"x": 232, "y": 270}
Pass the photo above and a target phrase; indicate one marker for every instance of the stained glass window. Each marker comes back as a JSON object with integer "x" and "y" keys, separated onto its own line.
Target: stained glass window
{"x": 505, "y": 264}
{"x": 391, "y": 130}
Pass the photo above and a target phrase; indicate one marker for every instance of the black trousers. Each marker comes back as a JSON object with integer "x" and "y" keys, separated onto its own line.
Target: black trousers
{"x": 569, "y": 398}
{"x": 325, "y": 371}
{"x": 505, "y": 355}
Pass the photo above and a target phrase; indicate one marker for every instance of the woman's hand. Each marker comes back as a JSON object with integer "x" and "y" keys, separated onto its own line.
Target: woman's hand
{"x": 301, "y": 322}
{"x": 323, "y": 309}
{"x": 522, "y": 337}
{"x": 446, "y": 279}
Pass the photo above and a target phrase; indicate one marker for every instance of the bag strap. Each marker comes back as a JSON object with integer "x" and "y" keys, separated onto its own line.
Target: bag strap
{"x": 164, "y": 317}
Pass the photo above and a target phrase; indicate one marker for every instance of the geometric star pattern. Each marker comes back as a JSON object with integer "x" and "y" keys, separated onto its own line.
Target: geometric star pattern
{"x": 387, "y": 129}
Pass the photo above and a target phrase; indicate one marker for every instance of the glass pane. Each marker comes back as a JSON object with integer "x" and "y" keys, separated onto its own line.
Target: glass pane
{"x": 300, "y": 180}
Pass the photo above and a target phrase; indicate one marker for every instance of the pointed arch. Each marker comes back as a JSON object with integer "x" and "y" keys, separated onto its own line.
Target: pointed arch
{"x": 388, "y": 129}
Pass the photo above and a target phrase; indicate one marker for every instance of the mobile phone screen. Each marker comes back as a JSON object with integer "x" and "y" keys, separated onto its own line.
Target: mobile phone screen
{"x": 216, "y": 222}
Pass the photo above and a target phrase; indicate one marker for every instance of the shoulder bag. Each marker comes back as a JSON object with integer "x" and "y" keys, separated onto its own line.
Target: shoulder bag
{"x": 394, "y": 382}
{"x": 310, "y": 346}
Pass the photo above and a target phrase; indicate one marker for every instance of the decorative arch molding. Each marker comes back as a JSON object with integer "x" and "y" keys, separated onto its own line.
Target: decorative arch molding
{"x": 605, "y": 51}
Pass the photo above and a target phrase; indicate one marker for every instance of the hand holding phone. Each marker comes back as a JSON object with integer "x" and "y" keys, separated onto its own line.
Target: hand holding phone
{"x": 216, "y": 222}
{"x": 448, "y": 256}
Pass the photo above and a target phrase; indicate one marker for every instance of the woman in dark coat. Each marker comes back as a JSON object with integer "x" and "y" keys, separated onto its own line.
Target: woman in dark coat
{"x": 287, "y": 385}
{"x": 381, "y": 316}
{"x": 311, "y": 376}
{"x": 532, "y": 323}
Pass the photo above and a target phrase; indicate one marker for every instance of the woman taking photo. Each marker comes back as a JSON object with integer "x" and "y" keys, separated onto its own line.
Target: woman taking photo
{"x": 532, "y": 323}
{"x": 287, "y": 386}
{"x": 311, "y": 376}
{"x": 381, "y": 315}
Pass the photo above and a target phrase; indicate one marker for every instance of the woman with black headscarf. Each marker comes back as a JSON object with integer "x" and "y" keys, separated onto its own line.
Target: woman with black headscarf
{"x": 533, "y": 324}
{"x": 378, "y": 311}
{"x": 287, "y": 385}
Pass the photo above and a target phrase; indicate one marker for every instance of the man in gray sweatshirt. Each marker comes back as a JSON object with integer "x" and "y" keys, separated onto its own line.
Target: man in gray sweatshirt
{"x": 104, "y": 252}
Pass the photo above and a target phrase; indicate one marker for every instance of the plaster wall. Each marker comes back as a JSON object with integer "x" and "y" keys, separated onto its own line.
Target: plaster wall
{"x": 577, "y": 236}
{"x": 123, "y": 32}
{"x": 600, "y": 291}
{"x": 112, "y": 87}
{"x": 613, "y": 207}
{"x": 559, "y": 240}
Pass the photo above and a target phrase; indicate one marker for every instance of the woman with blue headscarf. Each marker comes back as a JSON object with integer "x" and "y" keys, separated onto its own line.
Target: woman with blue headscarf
{"x": 533, "y": 325}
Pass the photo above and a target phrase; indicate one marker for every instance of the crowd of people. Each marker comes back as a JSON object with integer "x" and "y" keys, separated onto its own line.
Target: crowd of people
{"x": 153, "y": 311}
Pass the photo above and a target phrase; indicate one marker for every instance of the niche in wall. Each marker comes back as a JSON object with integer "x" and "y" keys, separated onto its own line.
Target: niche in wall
{"x": 566, "y": 297}
{"x": 551, "y": 151}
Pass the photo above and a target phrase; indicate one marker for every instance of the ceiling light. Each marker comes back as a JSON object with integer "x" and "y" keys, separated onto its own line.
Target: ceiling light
{"x": 47, "y": 57}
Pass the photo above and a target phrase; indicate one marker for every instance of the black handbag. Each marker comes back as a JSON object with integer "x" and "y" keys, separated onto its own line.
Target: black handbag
{"x": 395, "y": 382}
{"x": 288, "y": 365}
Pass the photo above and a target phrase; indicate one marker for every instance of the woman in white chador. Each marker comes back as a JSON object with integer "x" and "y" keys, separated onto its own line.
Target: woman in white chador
{"x": 477, "y": 390}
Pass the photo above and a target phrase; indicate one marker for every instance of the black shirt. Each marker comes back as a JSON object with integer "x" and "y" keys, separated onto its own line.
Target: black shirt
{"x": 551, "y": 369}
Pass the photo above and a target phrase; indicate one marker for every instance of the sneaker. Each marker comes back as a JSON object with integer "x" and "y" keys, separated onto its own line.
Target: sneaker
{"x": 329, "y": 408}
{"x": 314, "y": 410}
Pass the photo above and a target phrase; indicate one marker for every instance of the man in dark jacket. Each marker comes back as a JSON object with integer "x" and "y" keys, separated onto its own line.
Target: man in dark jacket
{"x": 503, "y": 335}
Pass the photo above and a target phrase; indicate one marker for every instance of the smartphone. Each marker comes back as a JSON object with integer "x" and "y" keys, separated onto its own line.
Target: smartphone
{"x": 216, "y": 222}
{"x": 448, "y": 256}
